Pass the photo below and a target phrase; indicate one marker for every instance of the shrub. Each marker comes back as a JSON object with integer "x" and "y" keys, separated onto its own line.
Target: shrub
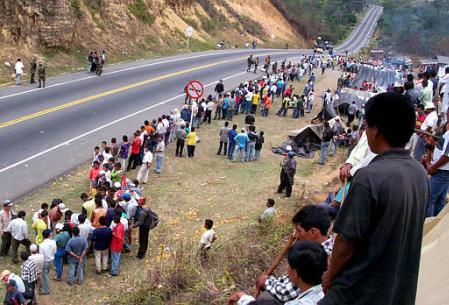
{"x": 76, "y": 6}
{"x": 140, "y": 10}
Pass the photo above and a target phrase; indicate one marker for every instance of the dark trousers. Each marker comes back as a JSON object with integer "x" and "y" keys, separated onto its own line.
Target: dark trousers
{"x": 42, "y": 81}
{"x": 15, "y": 247}
{"x": 208, "y": 116}
{"x": 286, "y": 183}
{"x": 6, "y": 243}
{"x": 225, "y": 150}
{"x": 350, "y": 119}
{"x": 143, "y": 241}
{"x": 217, "y": 113}
{"x": 32, "y": 75}
{"x": 223, "y": 113}
{"x": 179, "y": 147}
{"x": 134, "y": 159}
{"x": 190, "y": 151}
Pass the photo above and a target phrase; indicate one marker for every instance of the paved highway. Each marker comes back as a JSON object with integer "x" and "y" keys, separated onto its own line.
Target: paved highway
{"x": 46, "y": 132}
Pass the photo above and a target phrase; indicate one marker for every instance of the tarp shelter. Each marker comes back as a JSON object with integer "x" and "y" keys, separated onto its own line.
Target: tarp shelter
{"x": 381, "y": 77}
{"x": 347, "y": 95}
{"x": 443, "y": 62}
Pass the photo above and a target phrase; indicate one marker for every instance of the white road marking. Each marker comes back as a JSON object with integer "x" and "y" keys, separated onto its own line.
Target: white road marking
{"x": 104, "y": 126}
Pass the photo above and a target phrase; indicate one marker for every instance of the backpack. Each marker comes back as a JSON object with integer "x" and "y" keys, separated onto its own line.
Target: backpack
{"x": 152, "y": 219}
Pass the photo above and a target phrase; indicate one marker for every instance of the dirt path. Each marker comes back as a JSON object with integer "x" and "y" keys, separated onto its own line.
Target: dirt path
{"x": 190, "y": 190}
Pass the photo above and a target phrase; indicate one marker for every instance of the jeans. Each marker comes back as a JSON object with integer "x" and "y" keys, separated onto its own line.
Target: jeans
{"x": 229, "y": 114}
{"x": 59, "y": 266}
{"x": 159, "y": 162}
{"x": 143, "y": 172}
{"x": 19, "y": 78}
{"x": 115, "y": 263}
{"x": 225, "y": 150}
{"x": 190, "y": 151}
{"x": 258, "y": 154}
{"x": 264, "y": 112}
{"x": 250, "y": 151}
{"x": 45, "y": 288}
{"x": 295, "y": 113}
{"x": 231, "y": 149}
{"x": 240, "y": 150}
{"x": 101, "y": 259}
{"x": 420, "y": 149}
{"x": 324, "y": 146}
{"x": 122, "y": 162}
{"x": 332, "y": 148}
{"x": 76, "y": 267}
{"x": 439, "y": 184}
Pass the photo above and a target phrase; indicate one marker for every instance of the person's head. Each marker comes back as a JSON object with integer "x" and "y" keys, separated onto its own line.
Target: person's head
{"x": 81, "y": 218}
{"x": 425, "y": 82}
{"x": 208, "y": 224}
{"x": 96, "y": 149}
{"x": 33, "y": 248}
{"x": 7, "y": 204}
{"x": 76, "y": 231}
{"x": 44, "y": 214}
{"x": 234, "y": 126}
{"x": 114, "y": 141}
{"x": 102, "y": 221}
{"x": 59, "y": 227}
{"x": 84, "y": 197}
{"x": 125, "y": 138}
{"x": 390, "y": 121}
{"x": 270, "y": 202}
{"x": 107, "y": 149}
{"x": 46, "y": 233}
{"x": 307, "y": 261}
{"x": 117, "y": 218}
{"x": 420, "y": 110}
{"x": 24, "y": 255}
{"x": 126, "y": 196}
{"x": 261, "y": 133}
{"x": 311, "y": 223}
{"x": 106, "y": 167}
{"x": 242, "y": 130}
{"x": 98, "y": 202}
{"x": 44, "y": 206}
{"x": 96, "y": 164}
{"x": 226, "y": 124}
{"x": 104, "y": 144}
{"x": 192, "y": 129}
{"x": 21, "y": 214}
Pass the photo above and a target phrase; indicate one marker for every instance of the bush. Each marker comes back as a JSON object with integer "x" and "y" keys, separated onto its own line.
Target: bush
{"x": 76, "y": 6}
{"x": 140, "y": 10}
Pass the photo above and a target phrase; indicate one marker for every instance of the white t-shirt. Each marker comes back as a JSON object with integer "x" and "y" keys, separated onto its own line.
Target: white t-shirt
{"x": 207, "y": 238}
{"x": 430, "y": 121}
{"x": 249, "y": 96}
{"x": 442, "y": 149}
{"x": 85, "y": 229}
{"x": 19, "y": 67}
{"x": 268, "y": 213}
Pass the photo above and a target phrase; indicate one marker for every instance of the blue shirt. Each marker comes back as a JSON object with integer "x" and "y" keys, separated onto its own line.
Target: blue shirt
{"x": 77, "y": 245}
{"x": 101, "y": 238}
{"x": 231, "y": 135}
{"x": 241, "y": 139}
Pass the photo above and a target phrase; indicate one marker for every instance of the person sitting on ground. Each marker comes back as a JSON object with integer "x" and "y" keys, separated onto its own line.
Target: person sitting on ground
{"x": 269, "y": 212}
{"x": 207, "y": 238}
{"x": 307, "y": 261}
{"x": 334, "y": 200}
{"x": 311, "y": 223}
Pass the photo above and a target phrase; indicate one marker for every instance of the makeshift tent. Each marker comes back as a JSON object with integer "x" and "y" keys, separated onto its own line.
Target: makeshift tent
{"x": 347, "y": 95}
{"x": 381, "y": 77}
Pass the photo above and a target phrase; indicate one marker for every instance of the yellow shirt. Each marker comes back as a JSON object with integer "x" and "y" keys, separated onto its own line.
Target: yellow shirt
{"x": 256, "y": 98}
{"x": 89, "y": 206}
{"x": 191, "y": 138}
{"x": 39, "y": 225}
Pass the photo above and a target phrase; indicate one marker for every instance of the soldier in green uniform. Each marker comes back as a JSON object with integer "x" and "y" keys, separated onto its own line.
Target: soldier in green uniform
{"x": 42, "y": 75}
{"x": 33, "y": 66}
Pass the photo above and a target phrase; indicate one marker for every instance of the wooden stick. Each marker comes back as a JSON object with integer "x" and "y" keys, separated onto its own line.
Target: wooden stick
{"x": 281, "y": 255}
{"x": 345, "y": 184}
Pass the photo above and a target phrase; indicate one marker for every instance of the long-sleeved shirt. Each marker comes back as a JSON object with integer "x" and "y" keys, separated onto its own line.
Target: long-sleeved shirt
{"x": 48, "y": 249}
{"x": 361, "y": 155}
{"x": 5, "y": 219}
{"x": 18, "y": 228}
{"x": 29, "y": 271}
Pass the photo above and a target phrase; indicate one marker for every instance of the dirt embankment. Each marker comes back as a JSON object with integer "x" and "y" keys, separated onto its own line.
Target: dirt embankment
{"x": 60, "y": 32}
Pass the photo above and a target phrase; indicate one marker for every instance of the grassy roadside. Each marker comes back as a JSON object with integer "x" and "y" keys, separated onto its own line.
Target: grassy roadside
{"x": 188, "y": 191}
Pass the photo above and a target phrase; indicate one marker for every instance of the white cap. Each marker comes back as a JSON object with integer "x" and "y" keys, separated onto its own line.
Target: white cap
{"x": 62, "y": 207}
{"x": 102, "y": 172}
{"x": 117, "y": 185}
{"x": 59, "y": 226}
{"x": 429, "y": 105}
{"x": 33, "y": 248}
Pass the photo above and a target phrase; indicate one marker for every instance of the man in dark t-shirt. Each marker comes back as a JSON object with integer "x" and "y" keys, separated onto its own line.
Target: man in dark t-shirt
{"x": 380, "y": 224}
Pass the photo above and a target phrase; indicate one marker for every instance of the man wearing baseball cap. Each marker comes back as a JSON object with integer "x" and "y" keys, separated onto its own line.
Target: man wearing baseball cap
{"x": 7, "y": 276}
{"x": 56, "y": 214}
{"x": 5, "y": 218}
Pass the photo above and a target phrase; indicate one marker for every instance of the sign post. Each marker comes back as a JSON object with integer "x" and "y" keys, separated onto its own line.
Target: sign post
{"x": 194, "y": 90}
{"x": 189, "y": 32}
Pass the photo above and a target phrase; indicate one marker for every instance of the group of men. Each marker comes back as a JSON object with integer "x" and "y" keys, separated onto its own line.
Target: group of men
{"x": 35, "y": 67}
{"x": 96, "y": 62}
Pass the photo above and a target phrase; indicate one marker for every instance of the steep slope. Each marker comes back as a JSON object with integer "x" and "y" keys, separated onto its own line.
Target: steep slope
{"x": 60, "y": 32}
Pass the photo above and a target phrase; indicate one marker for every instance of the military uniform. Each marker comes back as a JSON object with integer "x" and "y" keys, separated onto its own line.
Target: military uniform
{"x": 33, "y": 67}
{"x": 42, "y": 75}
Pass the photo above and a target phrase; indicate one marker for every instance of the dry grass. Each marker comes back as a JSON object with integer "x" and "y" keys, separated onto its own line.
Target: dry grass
{"x": 188, "y": 191}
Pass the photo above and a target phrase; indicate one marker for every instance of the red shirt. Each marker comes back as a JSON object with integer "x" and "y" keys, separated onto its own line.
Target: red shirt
{"x": 118, "y": 238}
{"x": 94, "y": 172}
{"x": 135, "y": 147}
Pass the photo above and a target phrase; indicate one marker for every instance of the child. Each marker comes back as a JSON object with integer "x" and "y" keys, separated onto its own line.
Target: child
{"x": 207, "y": 238}
{"x": 269, "y": 212}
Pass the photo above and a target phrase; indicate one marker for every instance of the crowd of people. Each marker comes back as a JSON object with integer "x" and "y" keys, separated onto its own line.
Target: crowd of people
{"x": 96, "y": 61}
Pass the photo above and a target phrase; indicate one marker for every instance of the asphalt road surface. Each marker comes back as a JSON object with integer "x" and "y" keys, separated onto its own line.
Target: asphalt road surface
{"x": 45, "y": 133}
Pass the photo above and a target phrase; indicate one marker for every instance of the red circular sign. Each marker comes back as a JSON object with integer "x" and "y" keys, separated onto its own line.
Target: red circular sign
{"x": 195, "y": 89}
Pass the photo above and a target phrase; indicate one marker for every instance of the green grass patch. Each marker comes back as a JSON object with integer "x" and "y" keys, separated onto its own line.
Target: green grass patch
{"x": 140, "y": 10}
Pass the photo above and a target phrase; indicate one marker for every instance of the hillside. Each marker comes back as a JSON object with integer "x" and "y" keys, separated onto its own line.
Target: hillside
{"x": 60, "y": 32}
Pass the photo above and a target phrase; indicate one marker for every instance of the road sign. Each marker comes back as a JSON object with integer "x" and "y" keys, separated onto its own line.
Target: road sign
{"x": 189, "y": 31}
{"x": 195, "y": 89}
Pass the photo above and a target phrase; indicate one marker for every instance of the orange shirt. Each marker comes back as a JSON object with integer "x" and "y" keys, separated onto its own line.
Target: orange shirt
{"x": 97, "y": 213}
{"x": 149, "y": 129}
{"x": 268, "y": 102}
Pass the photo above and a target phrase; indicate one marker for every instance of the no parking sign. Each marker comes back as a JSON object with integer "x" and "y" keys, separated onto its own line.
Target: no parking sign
{"x": 195, "y": 89}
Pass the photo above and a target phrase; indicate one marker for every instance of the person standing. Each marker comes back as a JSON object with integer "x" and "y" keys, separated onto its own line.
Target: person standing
{"x": 256, "y": 64}
{"x": 219, "y": 88}
{"x": 144, "y": 224}
{"x": 33, "y": 68}
{"x": 240, "y": 140}
{"x": 39, "y": 226}
{"x": 325, "y": 141}
{"x": 61, "y": 239}
{"x": 223, "y": 134}
{"x": 250, "y": 63}
{"x": 231, "y": 135}
{"x": 145, "y": 168}
{"x": 376, "y": 255}
{"x": 134, "y": 159}
{"x": 42, "y": 75}
{"x": 259, "y": 143}
{"x": 207, "y": 238}
{"x": 118, "y": 239}
{"x": 191, "y": 143}
{"x": 123, "y": 151}
{"x": 48, "y": 250}
{"x": 288, "y": 170}
{"x": 101, "y": 238}
{"x": 209, "y": 108}
{"x": 5, "y": 218}
{"x": 180, "y": 140}
{"x": 159, "y": 153}
{"x": 251, "y": 145}
{"x": 18, "y": 69}
{"x": 76, "y": 249}
{"x": 19, "y": 233}
{"x": 28, "y": 275}
{"x": 352, "y": 111}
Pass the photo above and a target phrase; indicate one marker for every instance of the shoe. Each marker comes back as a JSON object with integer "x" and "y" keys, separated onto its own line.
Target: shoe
{"x": 98, "y": 272}
{"x": 70, "y": 284}
{"x": 140, "y": 257}
{"x": 57, "y": 279}
{"x": 112, "y": 274}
